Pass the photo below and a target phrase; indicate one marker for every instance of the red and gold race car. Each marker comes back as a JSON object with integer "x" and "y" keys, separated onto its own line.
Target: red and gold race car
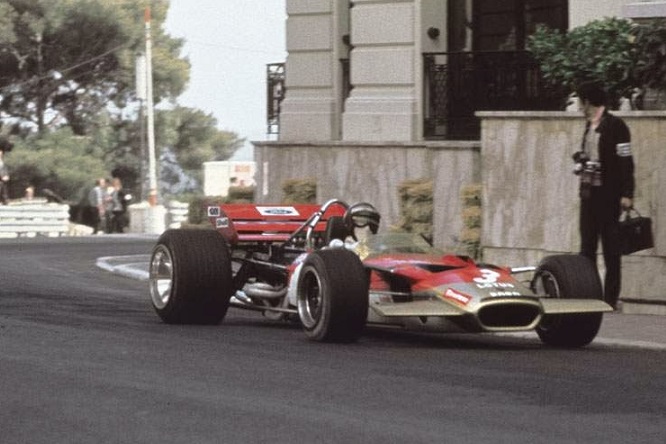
{"x": 333, "y": 269}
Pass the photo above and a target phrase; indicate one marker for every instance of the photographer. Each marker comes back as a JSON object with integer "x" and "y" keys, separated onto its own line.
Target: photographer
{"x": 5, "y": 146}
{"x": 606, "y": 169}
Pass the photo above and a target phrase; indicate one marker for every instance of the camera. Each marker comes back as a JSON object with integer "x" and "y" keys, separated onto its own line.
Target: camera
{"x": 589, "y": 172}
{"x": 580, "y": 158}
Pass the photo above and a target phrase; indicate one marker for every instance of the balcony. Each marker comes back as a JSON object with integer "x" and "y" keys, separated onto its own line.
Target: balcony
{"x": 456, "y": 85}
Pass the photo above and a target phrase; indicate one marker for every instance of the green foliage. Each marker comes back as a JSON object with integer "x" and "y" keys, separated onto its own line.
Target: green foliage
{"x": 58, "y": 161}
{"x": 416, "y": 207}
{"x": 470, "y": 236}
{"x": 194, "y": 137}
{"x": 650, "y": 69}
{"x": 72, "y": 66}
{"x": 62, "y": 65}
{"x": 299, "y": 191}
{"x": 603, "y": 51}
{"x": 241, "y": 194}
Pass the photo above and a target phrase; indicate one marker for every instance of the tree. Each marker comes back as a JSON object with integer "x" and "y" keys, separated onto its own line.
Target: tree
{"x": 59, "y": 161}
{"x": 193, "y": 138}
{"x": 602, "y": 51}
{"x": 650, "y": 69}
{"x": 62, "y": 65}
{"x": 68, "y": 72}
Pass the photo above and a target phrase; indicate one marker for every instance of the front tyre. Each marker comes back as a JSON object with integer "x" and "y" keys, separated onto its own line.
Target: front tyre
{"x": 332, "y": 296}
{"x": 568, "y": 277}
{"x": 190, "y": 277}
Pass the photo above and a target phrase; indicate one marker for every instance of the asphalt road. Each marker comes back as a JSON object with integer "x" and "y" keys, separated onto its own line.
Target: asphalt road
{"x": 83, "y": 359}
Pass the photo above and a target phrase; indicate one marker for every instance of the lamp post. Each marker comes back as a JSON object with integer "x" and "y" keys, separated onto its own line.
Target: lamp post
{"x": 147, "y": 217}
{"x": 150, "y": 120}
{"x": 140, "y": 84}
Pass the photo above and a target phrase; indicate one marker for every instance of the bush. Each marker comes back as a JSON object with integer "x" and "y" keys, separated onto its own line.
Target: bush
{"x": 622, "y": 55}
{"x": 299, "y": 191}
{"x": 416, "y": 207}
{"x": 602, "y": 51}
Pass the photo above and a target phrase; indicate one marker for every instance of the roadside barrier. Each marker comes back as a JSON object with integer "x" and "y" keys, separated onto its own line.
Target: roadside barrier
{"x": 177, "y": 213}
{"x": 32, "y": 218}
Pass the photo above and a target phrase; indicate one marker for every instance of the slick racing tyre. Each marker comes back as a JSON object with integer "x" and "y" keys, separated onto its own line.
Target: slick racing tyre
{"x": 190, "y": 277}
{"x": 332, "y": 296}
{"x": 566, "y": 277}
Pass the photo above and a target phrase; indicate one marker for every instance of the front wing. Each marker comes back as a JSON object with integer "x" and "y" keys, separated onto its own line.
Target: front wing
{"x": 504, "y": 314}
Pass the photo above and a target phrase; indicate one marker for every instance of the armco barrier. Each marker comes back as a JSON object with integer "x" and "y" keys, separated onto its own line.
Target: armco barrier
{"x": 31, "y": 219}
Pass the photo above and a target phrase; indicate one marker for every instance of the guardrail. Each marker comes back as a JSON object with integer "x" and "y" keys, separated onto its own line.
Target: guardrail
{"x": 30, "y": 219}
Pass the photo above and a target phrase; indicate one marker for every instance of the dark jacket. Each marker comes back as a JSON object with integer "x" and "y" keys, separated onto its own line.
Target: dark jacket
{"x": 617, "y": 162}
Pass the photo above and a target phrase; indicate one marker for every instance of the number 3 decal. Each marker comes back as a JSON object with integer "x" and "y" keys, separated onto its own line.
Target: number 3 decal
{"x": 487, "y": 277}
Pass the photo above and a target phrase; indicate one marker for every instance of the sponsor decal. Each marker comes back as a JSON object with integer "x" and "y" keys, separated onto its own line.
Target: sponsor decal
{"x": 494, "y": 294}
{"x": 489, "y": 279}
{"x": 222, "y": 222}
{"x": 457, "y": 297}
{"x": 213, "y": 211}
{"x": 277, "y": 211}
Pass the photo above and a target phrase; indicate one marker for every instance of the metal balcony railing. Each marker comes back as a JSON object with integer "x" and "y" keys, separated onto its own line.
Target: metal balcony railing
{"x": 459, "y": 84}
{"x": 275, "y": 78}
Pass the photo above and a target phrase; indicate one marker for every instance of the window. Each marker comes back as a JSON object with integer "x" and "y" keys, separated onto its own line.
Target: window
{"x": 501, "y": 25}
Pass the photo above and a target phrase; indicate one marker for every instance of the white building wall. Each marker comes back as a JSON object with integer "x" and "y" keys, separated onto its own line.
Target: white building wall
{"x": 387, "y": 39}
{"x": 384, "y": 102}
{"x": 582, "y": 12}
{"x": 645, "y": 9}
{"x": 311, "y": 109}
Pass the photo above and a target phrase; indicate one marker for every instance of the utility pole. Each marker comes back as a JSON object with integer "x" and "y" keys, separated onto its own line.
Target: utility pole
{"x": 140, "y": 84}
{"x": 152, "y": 163}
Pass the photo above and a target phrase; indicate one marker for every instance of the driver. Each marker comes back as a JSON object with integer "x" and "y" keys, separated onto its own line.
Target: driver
{"x": 361, "y": 220}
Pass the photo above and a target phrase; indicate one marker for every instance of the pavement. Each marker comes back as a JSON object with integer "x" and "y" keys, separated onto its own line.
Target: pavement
{"x": 620, "y": 328}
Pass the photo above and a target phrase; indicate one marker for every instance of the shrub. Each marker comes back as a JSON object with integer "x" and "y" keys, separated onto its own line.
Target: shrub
{"x": 299, "y": 191}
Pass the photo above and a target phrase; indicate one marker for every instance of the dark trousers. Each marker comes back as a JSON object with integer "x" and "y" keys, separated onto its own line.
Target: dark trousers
{"x": 4, "y": 195}
{"x": 599, "y": 219}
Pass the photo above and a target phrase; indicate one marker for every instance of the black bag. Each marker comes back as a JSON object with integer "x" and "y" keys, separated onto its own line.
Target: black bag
{"x": 635, "y": 233}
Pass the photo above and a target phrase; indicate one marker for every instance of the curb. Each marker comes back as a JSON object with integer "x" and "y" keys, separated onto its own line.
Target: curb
{"x": 137, "y": 269}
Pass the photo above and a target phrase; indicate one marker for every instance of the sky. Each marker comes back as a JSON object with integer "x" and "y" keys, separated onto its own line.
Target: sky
{"x": 229, "y": 43}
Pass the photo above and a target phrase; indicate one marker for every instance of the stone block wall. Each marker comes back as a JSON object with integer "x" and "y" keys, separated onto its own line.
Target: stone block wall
{"x": 372, "y": 172}
{"x": 530, "y": 196}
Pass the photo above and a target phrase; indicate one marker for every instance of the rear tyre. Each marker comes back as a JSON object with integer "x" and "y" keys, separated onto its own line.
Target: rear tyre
{"x": 567, "y": 277}
{"x": 190, "y": 277}
{"x": 332, "y": 296}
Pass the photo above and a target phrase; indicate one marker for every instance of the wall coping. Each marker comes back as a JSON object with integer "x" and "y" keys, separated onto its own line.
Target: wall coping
{"x": 560, "y": 114}
{"x": 434, "y": 145}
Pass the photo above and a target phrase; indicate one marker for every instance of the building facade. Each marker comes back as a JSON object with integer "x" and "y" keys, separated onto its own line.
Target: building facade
{"x": 413, "y": 70}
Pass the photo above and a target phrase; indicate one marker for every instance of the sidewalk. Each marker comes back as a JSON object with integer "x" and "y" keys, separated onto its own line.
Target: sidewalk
{"x": 647, "y": 331}
{"x": 642, "y": 330}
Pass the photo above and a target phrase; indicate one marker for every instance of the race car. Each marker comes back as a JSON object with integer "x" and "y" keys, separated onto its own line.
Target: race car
{"x": 328, "y": 268}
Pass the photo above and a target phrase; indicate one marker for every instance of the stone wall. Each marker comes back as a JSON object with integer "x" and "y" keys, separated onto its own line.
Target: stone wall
{"x": 530, "y": 203}
{"x": 372, "y": 172}
{"x": 529, "y": 193}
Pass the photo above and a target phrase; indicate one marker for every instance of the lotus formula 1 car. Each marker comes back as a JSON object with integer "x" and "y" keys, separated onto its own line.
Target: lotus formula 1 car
{"x": 329, "y": 268}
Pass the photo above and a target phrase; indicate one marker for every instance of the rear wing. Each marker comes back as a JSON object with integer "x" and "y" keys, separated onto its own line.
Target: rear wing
{"x": 269, "y": 223}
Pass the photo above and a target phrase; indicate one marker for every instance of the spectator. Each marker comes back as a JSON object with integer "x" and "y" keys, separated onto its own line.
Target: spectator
{"x": 29, "y": 193}
{"x": 4, "y": 179}
{"x": 97, "y": 204}
{"x": 119, "y": 200}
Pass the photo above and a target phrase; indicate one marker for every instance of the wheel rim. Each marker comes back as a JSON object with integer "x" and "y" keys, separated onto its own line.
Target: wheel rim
{"x": 310, "y": 299}
{"x": 161, "y": 277}
{"x": 545, "y": 283}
